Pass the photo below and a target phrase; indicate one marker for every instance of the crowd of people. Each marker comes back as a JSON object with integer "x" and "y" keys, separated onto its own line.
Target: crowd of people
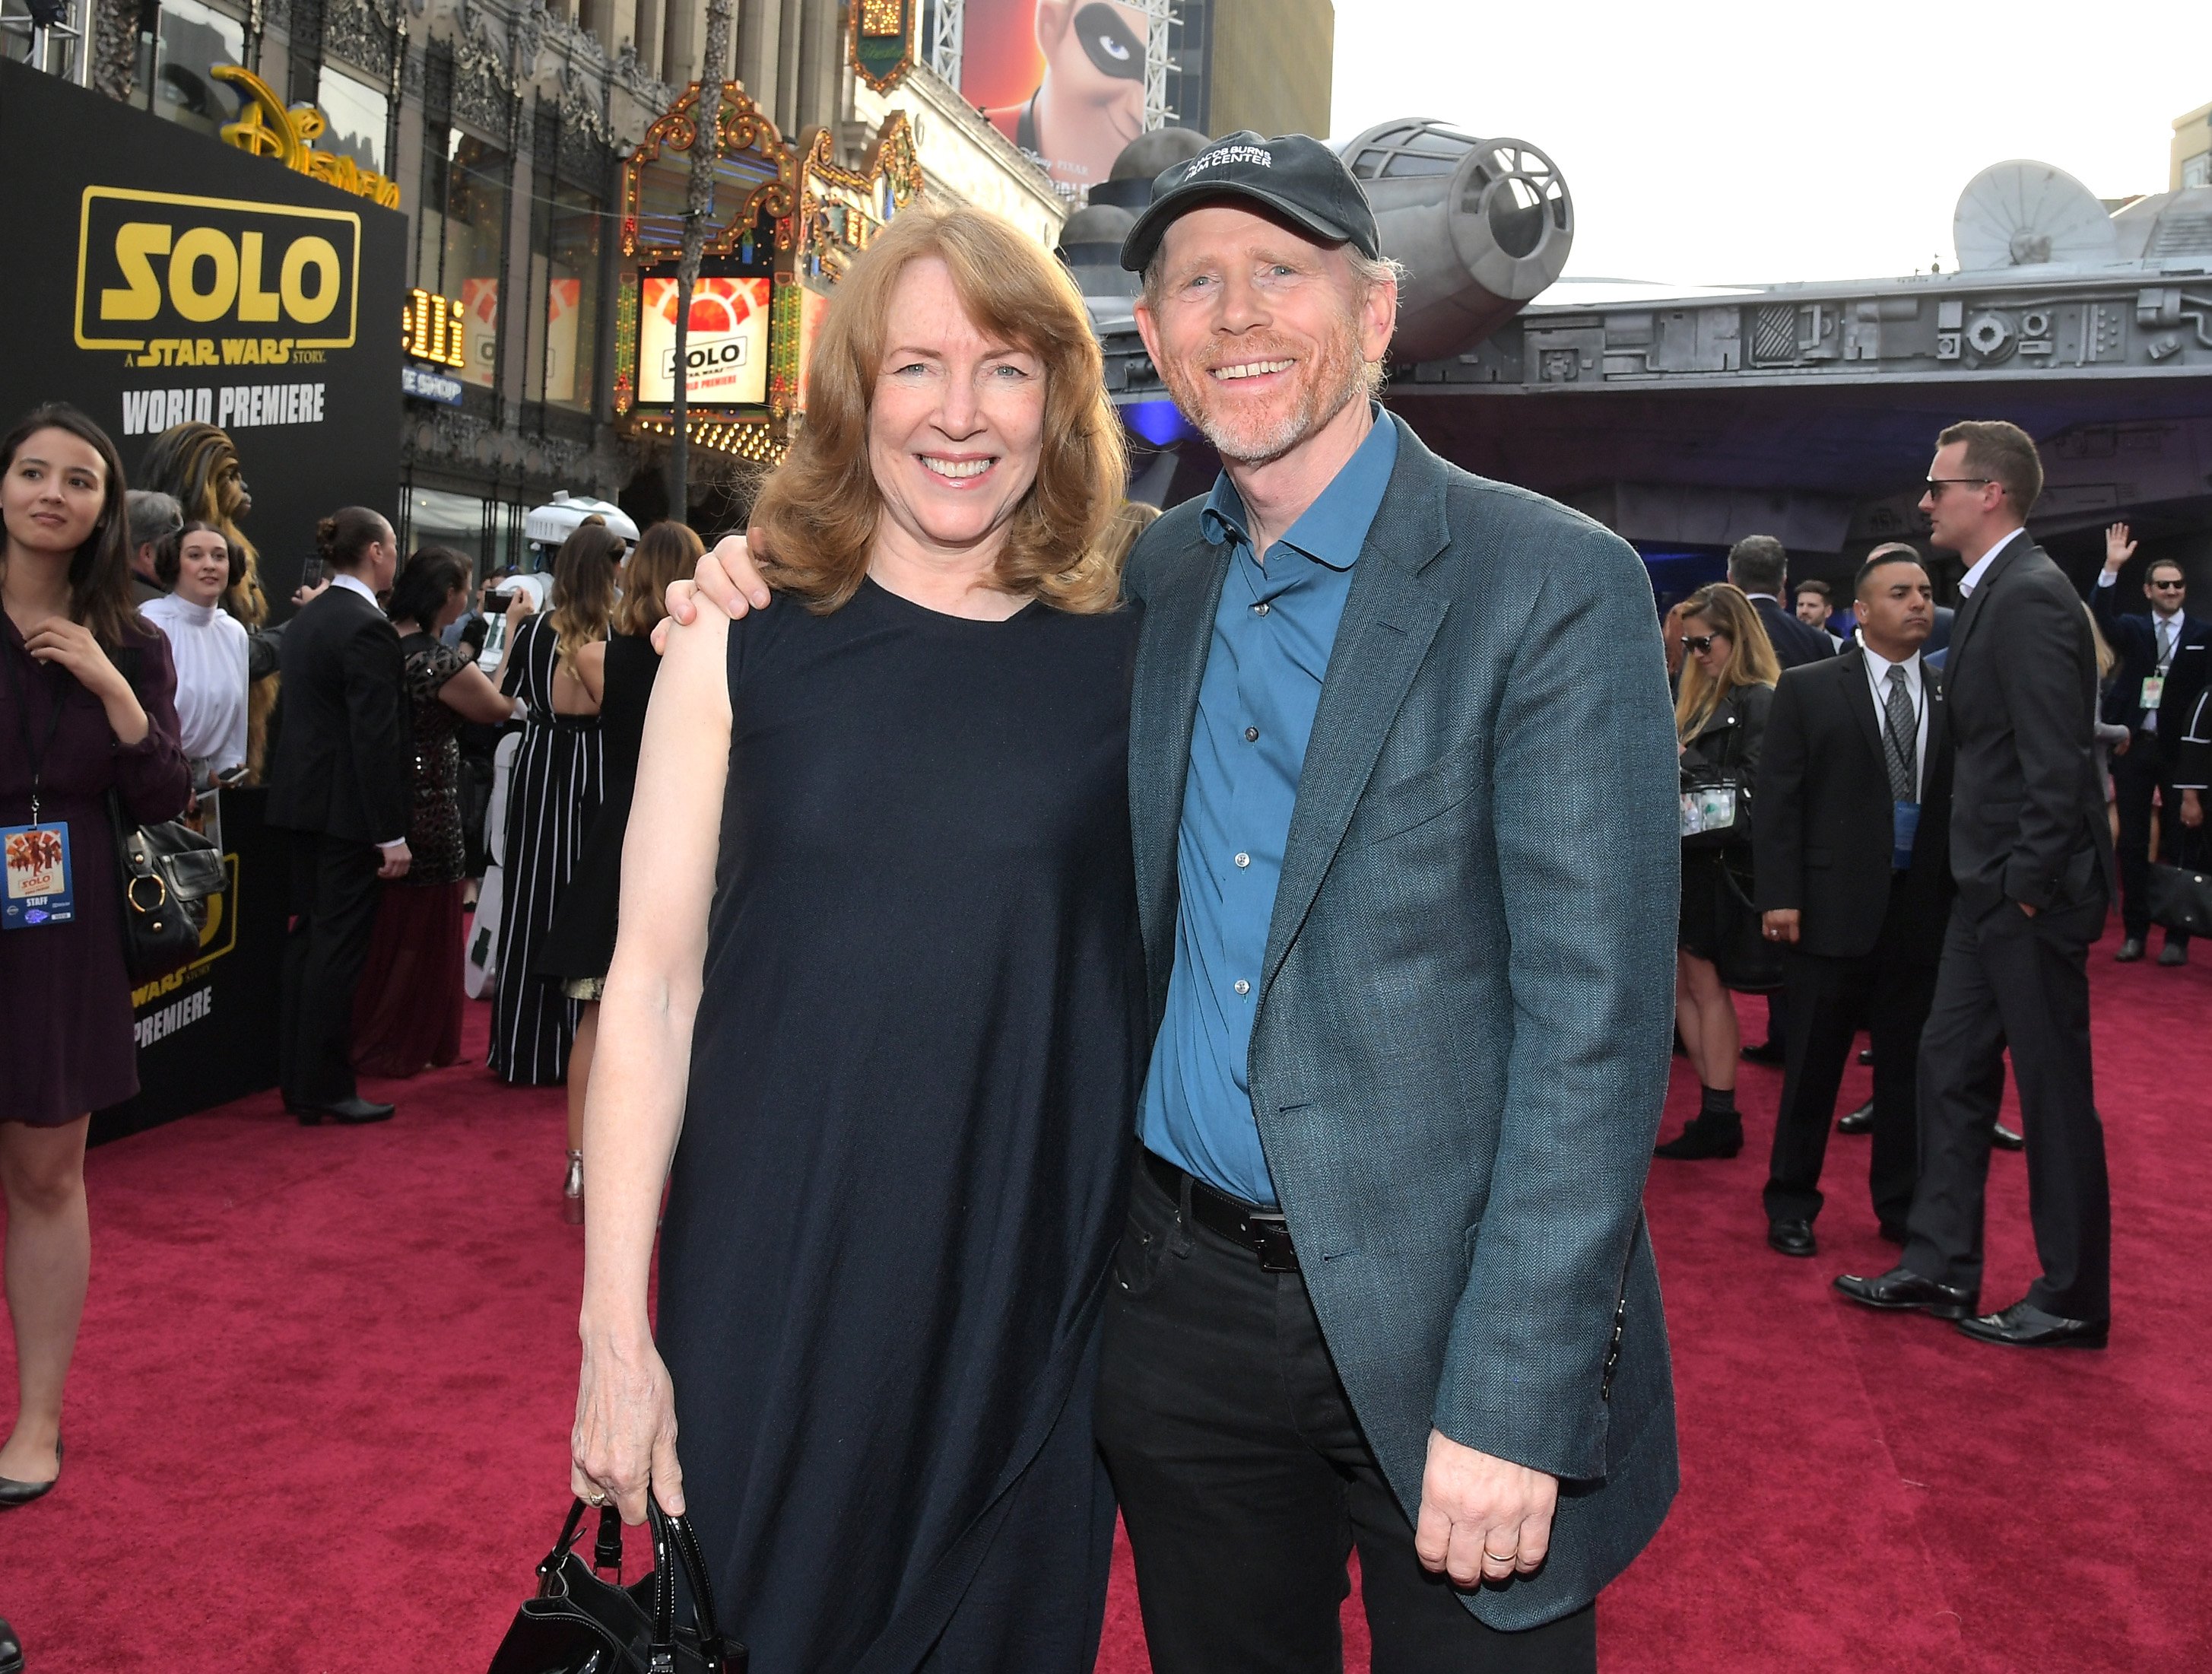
{"x": 1120, "y": 1007}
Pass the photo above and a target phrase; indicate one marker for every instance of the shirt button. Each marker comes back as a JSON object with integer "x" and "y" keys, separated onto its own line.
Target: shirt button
{"x": 1243, "y": 987}
{"x": 1243, "y": 860}
{"x": 1259, "y": 610}
{"x": 1251, "y": 735}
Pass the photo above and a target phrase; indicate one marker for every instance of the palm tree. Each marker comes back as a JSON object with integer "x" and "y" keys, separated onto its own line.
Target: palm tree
{"x": 706, "y": 148}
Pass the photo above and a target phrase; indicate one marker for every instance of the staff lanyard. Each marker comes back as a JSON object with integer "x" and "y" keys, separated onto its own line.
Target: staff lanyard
{"x": 36, "y": 754}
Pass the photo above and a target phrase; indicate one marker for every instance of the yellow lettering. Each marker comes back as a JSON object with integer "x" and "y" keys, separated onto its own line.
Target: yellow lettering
{"x": 136, "y": 242}
{"x": 204, "y": 353}
{"x": 255, "y": 305}
{"x": 203, "y": 243}
{"x": 306, "y": 252}
{"x": 234, "y": 349}
{"x": 280, "y": 352}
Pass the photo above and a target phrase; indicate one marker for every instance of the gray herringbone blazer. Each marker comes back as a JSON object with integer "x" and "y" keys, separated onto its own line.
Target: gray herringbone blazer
{"x": 1461, "y": 1043}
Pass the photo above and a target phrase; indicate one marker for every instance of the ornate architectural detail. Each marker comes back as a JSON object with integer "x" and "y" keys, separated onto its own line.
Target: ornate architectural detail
{"x": 484, "y": 84}
{"x": 884, "y": 37}
{"x": 648, "y": 89}
{"x": 753, "y": 178}
{"x": 526, "y": 38}
{"x": 361, "y": 32}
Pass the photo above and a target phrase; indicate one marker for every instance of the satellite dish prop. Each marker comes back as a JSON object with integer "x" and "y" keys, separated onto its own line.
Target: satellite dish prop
{"x": 2022, "y": 214}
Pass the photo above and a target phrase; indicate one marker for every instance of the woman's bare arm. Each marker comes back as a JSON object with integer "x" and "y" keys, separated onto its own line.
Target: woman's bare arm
{"x": 591, "y": 670}
{"x": 472, "y": 698}
{"x": 625, "y": 1419}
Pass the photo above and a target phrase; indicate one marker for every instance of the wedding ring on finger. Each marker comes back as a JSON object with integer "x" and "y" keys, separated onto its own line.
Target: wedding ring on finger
{"x": 1495, "y": 1557}
{"x": 596, "y": 1497}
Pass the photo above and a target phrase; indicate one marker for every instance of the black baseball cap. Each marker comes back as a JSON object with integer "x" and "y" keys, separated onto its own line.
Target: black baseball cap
{"x": 1296, "y": 176}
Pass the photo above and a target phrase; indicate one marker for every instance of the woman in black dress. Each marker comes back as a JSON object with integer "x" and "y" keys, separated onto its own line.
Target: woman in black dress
{"x": 552, "y": 794}
{"x": 886, "y": 918}
{"x": 407, "y": 1007}
{"x": 619, "y": 674}
{"x": 87, "y": 710}
{"x": 1729, "y": 671}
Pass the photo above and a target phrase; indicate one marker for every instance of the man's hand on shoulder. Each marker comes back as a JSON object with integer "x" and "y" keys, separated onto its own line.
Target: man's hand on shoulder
{"x": 727, "y": 578}
{"x": 1482, "y": 1518}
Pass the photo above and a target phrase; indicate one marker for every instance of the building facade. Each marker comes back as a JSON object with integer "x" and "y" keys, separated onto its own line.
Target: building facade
{"x": 501, "y": 127}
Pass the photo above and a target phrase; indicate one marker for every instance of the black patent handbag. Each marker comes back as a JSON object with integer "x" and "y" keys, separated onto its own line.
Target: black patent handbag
{"x": 2181, "y": 895}
{"x": 167, "y": 871}
{"x": 580, "y": 1622}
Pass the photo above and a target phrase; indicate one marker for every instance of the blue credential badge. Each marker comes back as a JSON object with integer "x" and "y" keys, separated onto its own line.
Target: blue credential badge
{"x": 1905, "y": 825}
{"x": 38, "y": 891}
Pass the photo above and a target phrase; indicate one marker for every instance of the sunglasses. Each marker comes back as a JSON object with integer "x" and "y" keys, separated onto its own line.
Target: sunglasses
{"x": 1700, "y": 643}
{"x": 1937, "y": 484}
{"x": 2167, "y": 586}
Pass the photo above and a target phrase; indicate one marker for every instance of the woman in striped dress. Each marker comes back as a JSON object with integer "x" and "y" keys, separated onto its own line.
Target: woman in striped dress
{"x": 552, "y": 794}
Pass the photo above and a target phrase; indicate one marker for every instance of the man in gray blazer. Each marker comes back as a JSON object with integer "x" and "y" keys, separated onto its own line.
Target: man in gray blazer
{"x": 1407, "y": 858}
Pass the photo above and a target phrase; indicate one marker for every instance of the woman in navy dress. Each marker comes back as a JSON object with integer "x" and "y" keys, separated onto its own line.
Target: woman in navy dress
{"x": 886, "y": 918}
{"x": 88, "y": 710}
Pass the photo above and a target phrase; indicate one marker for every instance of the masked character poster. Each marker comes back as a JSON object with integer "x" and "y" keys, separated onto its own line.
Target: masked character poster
{"x": 1063, "y": 79}
{"x": 198, "y": 464}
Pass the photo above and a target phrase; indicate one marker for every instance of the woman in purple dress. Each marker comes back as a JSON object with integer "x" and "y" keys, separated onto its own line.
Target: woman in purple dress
{"x": 88, "y": 706}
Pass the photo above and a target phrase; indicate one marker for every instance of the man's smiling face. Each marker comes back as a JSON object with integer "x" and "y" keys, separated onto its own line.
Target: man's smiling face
{"x": 1261, "y": 334}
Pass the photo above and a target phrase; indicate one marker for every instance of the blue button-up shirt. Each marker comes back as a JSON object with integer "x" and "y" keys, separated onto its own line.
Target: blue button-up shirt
{"x": 1272, "y": 636}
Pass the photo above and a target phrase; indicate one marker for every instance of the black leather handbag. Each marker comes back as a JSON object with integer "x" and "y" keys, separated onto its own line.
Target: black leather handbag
{"x": 167, "y": 872}
{"x": 2181, "y": 895}
{"x": 581, "y": 1622}
{"x": 1745, "y": 959}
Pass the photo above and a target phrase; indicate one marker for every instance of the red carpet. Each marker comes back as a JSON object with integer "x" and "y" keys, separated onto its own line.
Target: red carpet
{"x": 318, "y": 1420}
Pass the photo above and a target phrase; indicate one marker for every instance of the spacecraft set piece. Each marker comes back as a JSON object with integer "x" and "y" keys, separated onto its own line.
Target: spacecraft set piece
{"x": 2093, "y": 327}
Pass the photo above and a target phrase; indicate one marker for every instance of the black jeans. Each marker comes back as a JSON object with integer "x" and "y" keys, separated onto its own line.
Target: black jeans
{"x": 1827, "y": 998}
{"x": 1245, "y": 1482}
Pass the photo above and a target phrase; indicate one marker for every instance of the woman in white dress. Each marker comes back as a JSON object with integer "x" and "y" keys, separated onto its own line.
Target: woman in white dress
{"x": 209, "y": 647}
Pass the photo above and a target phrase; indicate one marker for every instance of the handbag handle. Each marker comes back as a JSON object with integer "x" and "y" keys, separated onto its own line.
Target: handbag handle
{"x": 673, "y": 1542}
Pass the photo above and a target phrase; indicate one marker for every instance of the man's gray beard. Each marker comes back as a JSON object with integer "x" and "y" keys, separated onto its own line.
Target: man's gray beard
{"x": 1312, "y": 414}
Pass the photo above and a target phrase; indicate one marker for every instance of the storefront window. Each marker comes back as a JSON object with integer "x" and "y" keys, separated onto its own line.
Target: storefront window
{"x": 564, "y": 279}
{"x": 359, "y": 116}
{"x": 460, "y": 233}
{"x": 193, "y": 40}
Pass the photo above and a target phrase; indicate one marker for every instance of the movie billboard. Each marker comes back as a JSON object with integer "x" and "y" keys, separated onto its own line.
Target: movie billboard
{"x": 1063, "y": 79}
{"x": 726, "y": 350}
{"x": 182, "y": 281}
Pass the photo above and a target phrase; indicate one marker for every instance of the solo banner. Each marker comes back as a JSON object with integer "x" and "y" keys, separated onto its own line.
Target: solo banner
{"x": 161, "y": 277}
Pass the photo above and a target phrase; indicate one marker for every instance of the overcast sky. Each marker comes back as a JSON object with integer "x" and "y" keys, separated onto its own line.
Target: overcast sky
{"x": 1711, "y": 141}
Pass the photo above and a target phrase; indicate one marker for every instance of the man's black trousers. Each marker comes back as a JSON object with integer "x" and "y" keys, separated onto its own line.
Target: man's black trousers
{"x": 334, "y": 896}
{"x": 1245, "y": 1482}
{"x": 1828, "y": 997}
{"x": 2008, "y": 980}
{"x": 2135, "y": 776}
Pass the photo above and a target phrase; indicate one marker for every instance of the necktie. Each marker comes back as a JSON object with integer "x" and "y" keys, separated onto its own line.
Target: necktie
{"x": 2165, "y": 643}
{"x": 1899, "y": 724}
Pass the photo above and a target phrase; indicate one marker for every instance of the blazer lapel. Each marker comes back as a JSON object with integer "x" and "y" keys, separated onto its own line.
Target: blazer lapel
{"x": 1171, "y": 649}
{"x": 1390, "y": 620}
{"x": 1970, "y": 612}
{"x": 1858, "y": 698}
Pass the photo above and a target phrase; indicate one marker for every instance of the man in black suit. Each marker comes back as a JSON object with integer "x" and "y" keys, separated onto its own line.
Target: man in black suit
{"x": 1759, "y": 565}
{"x": 2031, "y": 852}
{"x": 1852, "y": 875}
{"x": 340, "y": 783}
{"x": 2164, "y": 660}
{"x": 1759, "y": 568}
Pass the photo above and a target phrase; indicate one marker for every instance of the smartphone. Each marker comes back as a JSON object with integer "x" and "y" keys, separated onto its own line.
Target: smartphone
{"x": 496, "y": 603}
{"x": 312, "y": 576}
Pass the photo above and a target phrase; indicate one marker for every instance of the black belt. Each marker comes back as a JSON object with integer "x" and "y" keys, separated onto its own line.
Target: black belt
{"x": 1265, "y": 1232}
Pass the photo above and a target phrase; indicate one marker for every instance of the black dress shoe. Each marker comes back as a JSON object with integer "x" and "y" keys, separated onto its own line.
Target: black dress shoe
{"x": 1791, "y": 1238}
{"x": 1770, "y": 1051}
{"x": 1860, "y": 1121}
{"x": 1866, "y": 1055}
{"x": 1901, "y": 1288}
{"x": 1894, "y": 1232}
{"x": 2025, "y": 1326}
{"x": 11, "y": 1650}
{"x": 2129, "y": 950}
{"x": 2005, "y": 1139}
{"x": 14, "y": 1494}
{"x": 1707, "y": 1137}
{"x": 351, "y": 1112}
{"x": 2174, "y": 952}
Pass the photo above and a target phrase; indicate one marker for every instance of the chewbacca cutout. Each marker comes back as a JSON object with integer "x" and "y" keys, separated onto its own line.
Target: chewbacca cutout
{"x": 198, "y": 465}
